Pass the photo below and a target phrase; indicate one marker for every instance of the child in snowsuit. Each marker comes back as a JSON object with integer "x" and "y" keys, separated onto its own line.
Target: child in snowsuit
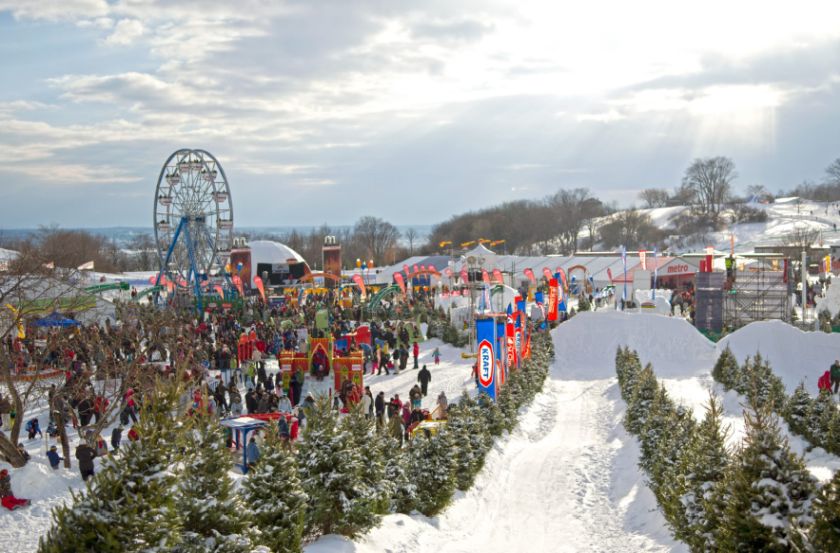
{"x": 54, "y": 457}
{"x": 436, "y": 355}
{"x": 7, "y": 498}
{"x": 33, "y": 428}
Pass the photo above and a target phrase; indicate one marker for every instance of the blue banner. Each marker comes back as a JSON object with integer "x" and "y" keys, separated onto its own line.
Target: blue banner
{"x": 539, "y": 298}
{"x": 486, "y": 340}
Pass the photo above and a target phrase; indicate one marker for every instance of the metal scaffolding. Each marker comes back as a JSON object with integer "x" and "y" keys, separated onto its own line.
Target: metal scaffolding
{"x": 757, "y": 294}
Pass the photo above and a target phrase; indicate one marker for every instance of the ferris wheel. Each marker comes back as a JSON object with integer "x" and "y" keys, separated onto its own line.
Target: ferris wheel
{"x": 193, "y": 218}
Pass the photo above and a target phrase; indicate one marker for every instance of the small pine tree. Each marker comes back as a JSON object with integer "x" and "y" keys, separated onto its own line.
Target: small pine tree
{"x": 632, "y": 368}
{"x": 726, "y": 369}
{"x": 468, "y": 459}
{"x": 658, "y": 422}
{"x": 129, "y": 505}
{"x": 273, "y": 492}
{"x": 404, "y": 494}
{"x": 214, "y": 516}
{"x": 331, "y": 468}
{"x": 432, "y": 469}
{"x": 796, "y": 410}
{"x": 820, "y": 418}
{"x": 771, "y": 491}
{"x": 644, "y": 393}
{"x": 369, "y": 443}
{"x": 760, "y": 385}
{"x": 701, "y": 470}
{"x": 825, "y": 535}
{"x": 493, "y": 416}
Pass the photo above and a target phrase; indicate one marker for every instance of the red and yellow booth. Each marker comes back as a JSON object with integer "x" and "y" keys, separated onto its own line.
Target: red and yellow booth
{"x": 347, "y": 367}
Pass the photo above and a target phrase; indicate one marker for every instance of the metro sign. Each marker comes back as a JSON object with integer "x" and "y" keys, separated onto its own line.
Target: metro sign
{"x": 485, "y": 363}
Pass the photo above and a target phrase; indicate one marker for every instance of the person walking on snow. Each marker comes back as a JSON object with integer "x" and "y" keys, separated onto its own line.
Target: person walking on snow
{"x": 424, "y": 377}
{"x": 415, "y": 351}
{"x": 436, "y": 355}
{"x": 54, "y": 457}
{"x": 85, "y": 454}
{"x": 835, "y": 376}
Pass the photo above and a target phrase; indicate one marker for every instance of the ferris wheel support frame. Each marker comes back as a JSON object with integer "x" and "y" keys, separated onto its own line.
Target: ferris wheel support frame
{"x": 193, "y": 274}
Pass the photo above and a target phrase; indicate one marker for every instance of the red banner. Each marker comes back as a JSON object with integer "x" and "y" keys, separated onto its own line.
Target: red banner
{"x": 416, "y": 270}
{"x": 237, "y": 282}
{"x": 360, "y": 282}
{"x": 497, "y": 276}
{"x": 219, "y": 291}
{"x": 510, "y": 339}
{"x": 258, "y": 282}
{"x": 406, "y": 270}
{"x": 547, "y": 273}
{"x": 530, "y": 274}
{"x": 609, "y": 275}
{"x": 552, "y": 299}
{"x": 485, "y": 276}
{"x": 448, "y": 272}
{"x": 464, "y": 276}
{"x": 563, "y": 278}
{"x": 643, "y": 259}
{"x": 400, "y": 281}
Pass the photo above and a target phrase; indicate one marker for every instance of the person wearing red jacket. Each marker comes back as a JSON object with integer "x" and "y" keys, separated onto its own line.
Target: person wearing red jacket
{"x": 7, "y": 497}
{"x": 415, "y": 350}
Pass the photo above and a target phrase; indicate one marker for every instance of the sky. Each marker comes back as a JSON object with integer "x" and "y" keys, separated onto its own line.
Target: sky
{"x": 328, "y": 110}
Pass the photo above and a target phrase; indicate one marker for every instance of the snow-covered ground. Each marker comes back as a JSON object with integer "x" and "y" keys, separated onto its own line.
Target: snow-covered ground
{"x": 566, "y": 479}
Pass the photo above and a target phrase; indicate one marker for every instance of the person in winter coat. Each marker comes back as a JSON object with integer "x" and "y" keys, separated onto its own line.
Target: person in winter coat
{"x": 415, "y": 351}
{"x": 367, "y": 402}
{"x": 235, "y": 400}
{"x": 7, "y": 497}
{"x": 101, "y": 447}
{"x": 283, "y": 404}
{"x": 835, "y": 375}
{"x": 416, "y": 397}
{"x": 33, "y": 428}
{"x": 116, "y": 438}
{"x": 379, "y": 409}
{"x": 54, "y": 458}
{"x": 85, "y": 455}
{"x": 252, "y": 453}
{"x": 250, "y": 401}
{"x": 436, "y": 355}
{"x": 424, "y": 377}
{"x": 443, "y": 404}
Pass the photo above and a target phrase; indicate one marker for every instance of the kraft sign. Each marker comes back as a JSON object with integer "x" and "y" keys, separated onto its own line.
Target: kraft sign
{"x": 486, "y": 360}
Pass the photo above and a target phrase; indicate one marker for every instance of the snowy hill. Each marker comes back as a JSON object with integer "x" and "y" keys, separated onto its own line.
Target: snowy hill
{"x": 784, "y": 216}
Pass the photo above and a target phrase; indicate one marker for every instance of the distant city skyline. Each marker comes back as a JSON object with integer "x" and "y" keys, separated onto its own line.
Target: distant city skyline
{"x": 325, "y": 111}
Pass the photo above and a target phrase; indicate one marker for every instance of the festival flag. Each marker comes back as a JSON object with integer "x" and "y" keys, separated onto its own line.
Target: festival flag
{"x": 400, "y": 281}
{"x": 484, "y": 336}
{"x": 655, "y": 275}
{"x": 448, "y": 272}
{"x": 219, "y": 291}
{"x": 552, "y": 299}
{"x": 643, "y": 259}
{"x": 562, "y": 274}
{"x": 497, "y": 276}
{"x": 624, "y": 262}
{"x": 258, "y": 282}
{"x": 465, "y": 278}
{"x": 360, "y": 282}
{"x": 501, "y": 355}
{"x": 510, "y": 338}
{"x": 485, "y": 276}
{"x": 520, "y": 323}
{"x": 530, "y": 274}
{"x": 609, "y": 275}
{"x": 547, "y": 273}
{"x": 416, "y": 270}
{"x": 406, "y": 270}
{"x": 237, "y": 282}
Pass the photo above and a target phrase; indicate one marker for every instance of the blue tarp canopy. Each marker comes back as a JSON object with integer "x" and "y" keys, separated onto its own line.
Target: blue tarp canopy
{"x": 56, "y": 319}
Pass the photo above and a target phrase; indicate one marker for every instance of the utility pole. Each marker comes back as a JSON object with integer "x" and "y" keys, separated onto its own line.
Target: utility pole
{"x": 804, "y": 285}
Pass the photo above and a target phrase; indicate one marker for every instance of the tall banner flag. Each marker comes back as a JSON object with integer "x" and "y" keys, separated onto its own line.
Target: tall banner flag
{"x": 238, "y": 283}
{"x": 406, "y": 270}
{"x": 400, "y": 281}
{"x": 219, "y": 291}
{"x": 501, "y": 355}
{"x": 448, "y": 272}
{"x": 547, "y": 273}
{"x": 609, "y": 274}
{"x": 563, "y": 280}
{"x": 655, "y": 274}
{"x": 510, "y": 340}
{"x": 643, "y": 259}
{"x": 360, "y": 282}
{"x": 258, "y": 282}
{"x": 552, "y": 299}
{"x": 530, "y": 274}
{"x": 520, "y": 323}
{"x": 624, "y": 262}
{"x": 465, "y": 278}
{"x": 484, "y": 335}
{"x": 497, "y": 276}
{"x": 485, "y": 276}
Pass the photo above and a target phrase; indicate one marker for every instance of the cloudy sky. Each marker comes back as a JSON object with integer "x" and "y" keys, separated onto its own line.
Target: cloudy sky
{"x": 326, "y": 110}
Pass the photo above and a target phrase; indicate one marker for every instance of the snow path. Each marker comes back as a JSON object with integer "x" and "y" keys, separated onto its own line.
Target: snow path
{"x": 565, "y": 480}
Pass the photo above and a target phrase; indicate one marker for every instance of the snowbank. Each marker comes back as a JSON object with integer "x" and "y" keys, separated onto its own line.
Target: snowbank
{"x": 794, "y": 355}
{"x": 586, "y": 344}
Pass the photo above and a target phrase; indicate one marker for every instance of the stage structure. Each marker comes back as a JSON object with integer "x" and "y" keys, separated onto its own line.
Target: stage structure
{"x": 193, "y": 221}
{"x": 758, "y": 293}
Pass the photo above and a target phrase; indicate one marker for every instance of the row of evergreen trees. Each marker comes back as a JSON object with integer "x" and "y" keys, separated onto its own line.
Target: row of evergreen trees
{"x": 758, "y": 496}
{"x": 172, "y": 490}
{"x": 817, "y": 419}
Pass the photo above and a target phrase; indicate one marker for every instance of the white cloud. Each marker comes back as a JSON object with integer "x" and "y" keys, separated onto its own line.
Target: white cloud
{"x": 125, "y": 32}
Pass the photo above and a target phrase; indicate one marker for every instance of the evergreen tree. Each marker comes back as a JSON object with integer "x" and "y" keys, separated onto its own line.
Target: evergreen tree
{"x": 371, "y": 446}
{"x": 331, "y": 469}
{"x": 128, "y": 506}
{"x": 668, "y": 457}
{"x": 761, "y": 386}
{"x": 214, "y": 516}
{"x": 507, "y": 407}
{"x": 826, "y": 532}
{"x": 726, "y": 370}
{"x": 273, "y": 492}
{"x": 657, "y": 423}
{"x": 820, "y": 418}
{"x": 644, "y": 392}
{"x": 432, "y": 469}
{"x": 631, "y": 368}
{"x": 404, "y": 498}
{"x": 494, "y": 419}
{"x": 468, "y": 459}
{"x": 771, "y": 491}
{"x": 701, "y": 470}
{"x": 796, "y": 410}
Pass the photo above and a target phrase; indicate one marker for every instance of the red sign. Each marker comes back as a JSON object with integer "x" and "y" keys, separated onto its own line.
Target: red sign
{"x": 678, "y": 269}
{"x": 552, "y": 299}
{"x": 486, "y": 360}
{"x": 510, "y": 337}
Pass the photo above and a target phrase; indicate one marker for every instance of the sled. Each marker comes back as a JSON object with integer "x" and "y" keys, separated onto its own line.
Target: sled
{"x": 11, "y": 503}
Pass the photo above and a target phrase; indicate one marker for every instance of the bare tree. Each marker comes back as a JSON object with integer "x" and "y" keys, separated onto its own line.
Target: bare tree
{"x": 411, "y": 235}
{"x": 654, "y": 197}
{"x": 802, "y": 237}
{"x": 377, "y": 236}
{"x": 569, "y": 216}
{"x": 631, "y": 229}
{"x": 710, "y": 181}
{"x": 832, "y": 173}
